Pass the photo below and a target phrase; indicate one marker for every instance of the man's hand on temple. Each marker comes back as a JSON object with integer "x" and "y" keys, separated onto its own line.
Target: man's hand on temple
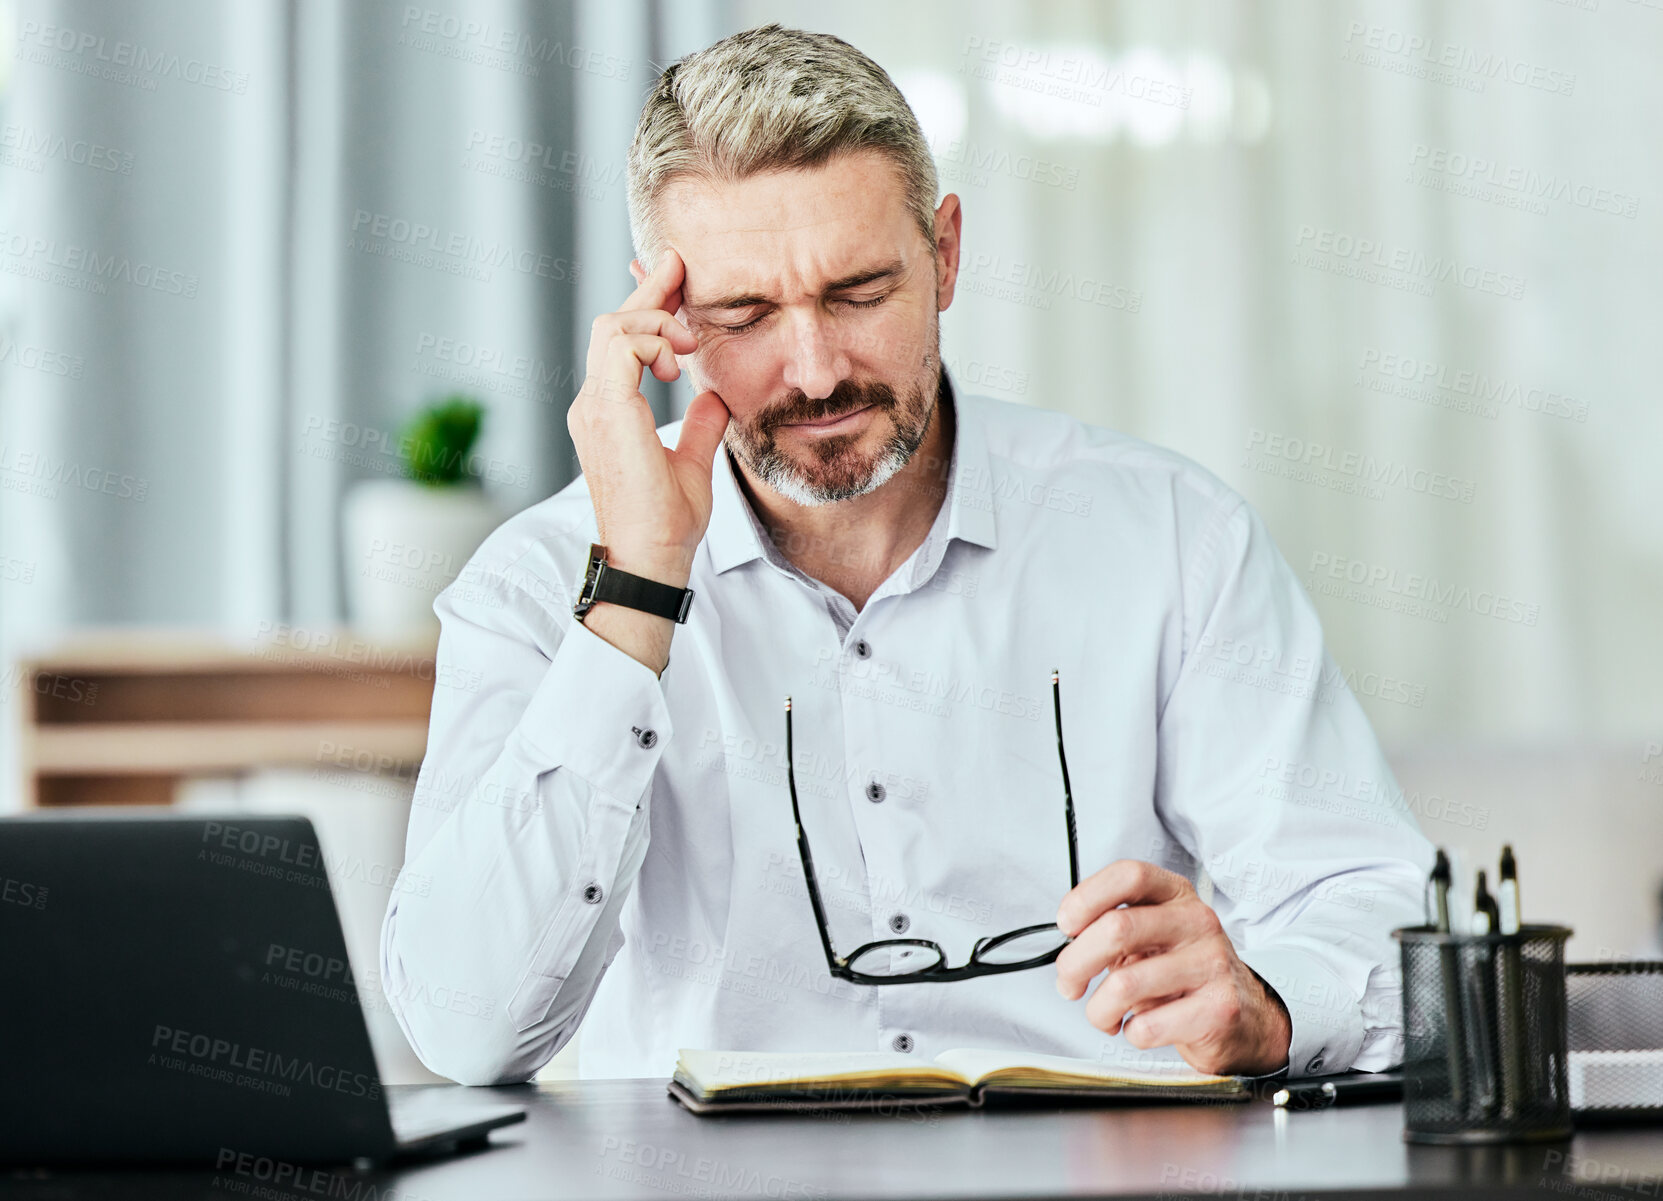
{"x": 1174, "y": 977}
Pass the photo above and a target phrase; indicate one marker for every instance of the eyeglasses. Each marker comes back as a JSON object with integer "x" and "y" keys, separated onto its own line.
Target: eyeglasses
{"x": 916, "y": 960}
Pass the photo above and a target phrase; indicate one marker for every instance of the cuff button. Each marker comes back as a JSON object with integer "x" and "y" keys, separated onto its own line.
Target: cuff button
{"x": 646, "y": 738}
{"x": 1315, "y": 1065}
{"x": 593, "y": 894}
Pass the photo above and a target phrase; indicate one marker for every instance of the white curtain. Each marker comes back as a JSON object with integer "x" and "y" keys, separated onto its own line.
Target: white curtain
{"x": 301, "y": 220}
{"x": 1201, "y": 156}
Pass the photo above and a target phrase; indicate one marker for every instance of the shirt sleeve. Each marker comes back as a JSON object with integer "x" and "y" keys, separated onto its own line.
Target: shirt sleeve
{"x": 1271, "y": 777}
{"x": 527, "y": 830}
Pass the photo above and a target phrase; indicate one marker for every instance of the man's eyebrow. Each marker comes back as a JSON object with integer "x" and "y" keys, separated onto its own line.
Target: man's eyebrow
{"x": 744, "y": 300}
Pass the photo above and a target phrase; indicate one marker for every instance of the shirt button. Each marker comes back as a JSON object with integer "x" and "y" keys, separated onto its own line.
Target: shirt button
{"x": 646, "y": 738}
{"x": 875, "y": 792}
{"x": 1315, "y": 1065}
{"x": 903, "y": 1042}
{"x": 899, "y": 923}
{"x": 863, "y": 649}
{"x": 593, "y": 894}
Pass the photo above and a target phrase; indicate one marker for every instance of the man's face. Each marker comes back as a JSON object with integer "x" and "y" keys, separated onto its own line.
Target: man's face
{"x": 816, "y": 302}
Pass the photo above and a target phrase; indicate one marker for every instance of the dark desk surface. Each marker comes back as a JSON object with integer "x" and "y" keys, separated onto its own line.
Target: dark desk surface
{"x": 627, "y": 1139}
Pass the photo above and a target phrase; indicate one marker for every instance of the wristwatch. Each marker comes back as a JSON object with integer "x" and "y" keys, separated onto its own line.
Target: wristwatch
{"x": 603, "y": 582}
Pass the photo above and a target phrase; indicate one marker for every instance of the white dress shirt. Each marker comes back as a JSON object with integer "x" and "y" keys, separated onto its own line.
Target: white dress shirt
{"x": 604, "y": 846}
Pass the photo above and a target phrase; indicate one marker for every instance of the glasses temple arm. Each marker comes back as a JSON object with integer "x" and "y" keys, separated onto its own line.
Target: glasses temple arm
{"x": 1067, "y": 794}
{"x": 832, "y": 961}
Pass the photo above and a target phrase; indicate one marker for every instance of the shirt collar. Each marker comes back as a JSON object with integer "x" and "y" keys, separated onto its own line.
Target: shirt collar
{"x": 734, "y": 536}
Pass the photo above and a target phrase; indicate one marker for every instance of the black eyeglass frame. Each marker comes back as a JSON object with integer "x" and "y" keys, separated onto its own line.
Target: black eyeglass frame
{"x": 938, "y": 972}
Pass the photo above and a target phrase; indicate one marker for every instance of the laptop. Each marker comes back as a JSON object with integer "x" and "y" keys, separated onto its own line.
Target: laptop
{"x": 178, "y": 989}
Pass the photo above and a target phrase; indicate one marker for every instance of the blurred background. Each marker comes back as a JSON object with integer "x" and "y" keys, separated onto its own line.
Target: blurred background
{"x": 294, "y": 295}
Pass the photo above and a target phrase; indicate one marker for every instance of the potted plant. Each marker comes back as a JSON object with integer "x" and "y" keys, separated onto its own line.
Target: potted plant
{"x": 408, "y": 537}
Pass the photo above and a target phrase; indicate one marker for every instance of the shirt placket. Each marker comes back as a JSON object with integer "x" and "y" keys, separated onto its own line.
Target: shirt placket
{"x": 873, "y": 665}
{"x": 872, "y": 737}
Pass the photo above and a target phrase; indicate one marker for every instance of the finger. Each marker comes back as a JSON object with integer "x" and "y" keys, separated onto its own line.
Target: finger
{"x": 1123, "y": 882}
{"x": 1181, "y": 1019}
{"x": 1120, "y": 935}
{"x": 662, "y": 284}
{"x": 1152, "y": 981}
{"x": 636, "y": 321}
{"x": 702, "y": 427}
{"x": 627, "y": 354}
{"x": 1202, "y": 1025}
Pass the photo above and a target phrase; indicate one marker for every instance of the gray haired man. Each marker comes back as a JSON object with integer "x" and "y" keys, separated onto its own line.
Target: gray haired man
{"x": 609, "y": 840}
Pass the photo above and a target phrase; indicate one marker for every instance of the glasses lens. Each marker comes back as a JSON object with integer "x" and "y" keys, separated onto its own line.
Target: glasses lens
{"x": 904, "y": 960}
{"x": 1022, "y": 945}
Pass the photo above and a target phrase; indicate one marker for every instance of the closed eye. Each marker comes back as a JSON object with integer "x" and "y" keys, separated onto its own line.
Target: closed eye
{"x": 757, "y": 320}
{"x": 739, "y": 329}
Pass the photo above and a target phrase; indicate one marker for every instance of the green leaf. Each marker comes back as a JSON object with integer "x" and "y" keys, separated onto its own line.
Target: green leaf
{"x": 437, "y": 441}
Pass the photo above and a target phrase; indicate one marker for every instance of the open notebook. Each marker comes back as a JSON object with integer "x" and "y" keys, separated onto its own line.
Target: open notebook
{"x": 726, "y": 1081}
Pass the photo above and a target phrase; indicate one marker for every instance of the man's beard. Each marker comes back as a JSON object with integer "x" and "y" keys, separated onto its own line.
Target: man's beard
{"x": 838, "y": 470}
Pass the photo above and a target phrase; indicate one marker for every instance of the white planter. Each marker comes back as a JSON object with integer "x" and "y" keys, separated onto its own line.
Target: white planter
{"x": 404, "y": 542}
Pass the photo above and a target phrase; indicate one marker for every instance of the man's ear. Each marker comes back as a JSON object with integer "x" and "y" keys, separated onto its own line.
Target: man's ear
{"x": 949, "y": 218}
{"x": 636, "y": 270}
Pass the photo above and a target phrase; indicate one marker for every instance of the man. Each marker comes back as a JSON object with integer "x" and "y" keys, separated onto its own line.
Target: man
{"x": 605, "y": 828}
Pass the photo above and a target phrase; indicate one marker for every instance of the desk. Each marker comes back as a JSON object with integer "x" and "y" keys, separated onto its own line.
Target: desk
{"x": 113, "y": 717}
{"x": 625, "y": 1139}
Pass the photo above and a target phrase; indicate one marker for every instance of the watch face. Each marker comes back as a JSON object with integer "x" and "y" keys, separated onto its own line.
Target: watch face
{"x": 591, "y": 573}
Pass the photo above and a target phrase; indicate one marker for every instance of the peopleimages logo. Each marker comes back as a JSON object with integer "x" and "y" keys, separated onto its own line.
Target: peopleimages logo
{"x": 1034, "y": 285}
{"x": 459, "y": 253}
{"x": 47, "y": 253}
{"x": 94, "y": 54}
{"x": 1435, "y": 383}
{"x": 32, "y": 147}
{"x": 1366, "y": 257}
{"x": 1276, "y": 670}
{"x": 1380, "y": 45}
{"x": 1359, "y": 466}
{"x": 1424, "y": 595}
{"x": 975, "y": 163}
{"x": 477, "y": 41}
{"x": 1487, "y": 178}
{"x": 231, "y": 1062}
{"x": 1068, "y": 75}
{"x": 41, "y": 359}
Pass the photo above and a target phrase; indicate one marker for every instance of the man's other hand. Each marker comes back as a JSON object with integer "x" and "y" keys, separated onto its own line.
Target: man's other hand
{"x": 1174, "y": 977}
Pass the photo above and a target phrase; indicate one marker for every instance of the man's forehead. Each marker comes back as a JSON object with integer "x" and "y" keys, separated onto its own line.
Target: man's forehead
{"x": 790, "y": 229}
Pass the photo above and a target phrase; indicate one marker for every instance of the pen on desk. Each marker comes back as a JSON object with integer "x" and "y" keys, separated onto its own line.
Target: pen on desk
{"x": 1454, "y": 1027}
{"x": 1320, "y": 1094}
{"x": 1516, "y": 1086}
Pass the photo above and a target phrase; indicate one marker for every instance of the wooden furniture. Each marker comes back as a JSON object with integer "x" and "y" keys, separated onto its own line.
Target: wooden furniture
{"x": 121, "y": 716}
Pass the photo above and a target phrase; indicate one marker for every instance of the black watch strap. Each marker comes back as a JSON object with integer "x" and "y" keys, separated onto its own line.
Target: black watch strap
{"x": 604, "y": 583}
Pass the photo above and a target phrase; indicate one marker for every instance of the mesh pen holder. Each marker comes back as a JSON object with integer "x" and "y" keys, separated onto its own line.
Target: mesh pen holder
{"x": 1484, "y": 1020}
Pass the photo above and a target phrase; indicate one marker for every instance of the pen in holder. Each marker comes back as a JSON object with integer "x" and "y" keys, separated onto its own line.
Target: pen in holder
{"x": 1484, "y": 1028}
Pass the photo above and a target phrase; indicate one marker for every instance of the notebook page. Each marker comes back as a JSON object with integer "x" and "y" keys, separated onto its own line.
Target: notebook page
{"x": 712, "y": 1070}
{"x": 973, "y": 1064}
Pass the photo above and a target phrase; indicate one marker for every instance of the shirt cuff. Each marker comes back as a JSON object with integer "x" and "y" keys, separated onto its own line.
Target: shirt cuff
{"x": 600, "y": 714}
{"x": 1326, "y": 1019}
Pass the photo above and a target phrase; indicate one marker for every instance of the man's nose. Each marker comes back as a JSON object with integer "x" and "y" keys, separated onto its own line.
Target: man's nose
{"x": 814, "y": 362}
